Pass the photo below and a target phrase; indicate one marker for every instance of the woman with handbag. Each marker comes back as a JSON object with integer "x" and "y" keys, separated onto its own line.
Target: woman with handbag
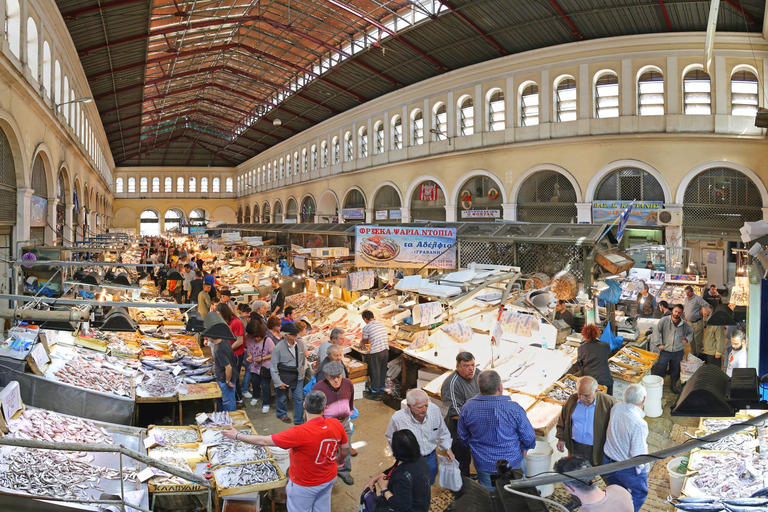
{"x": 287, "y": 361}
{"x": 259, "y": 347}
{"x": 405, "y": 487}
{"x": 238, "y": 345}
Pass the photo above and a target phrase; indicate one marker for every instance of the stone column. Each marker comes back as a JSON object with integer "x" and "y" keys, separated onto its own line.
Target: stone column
{"x": 68, "y": 227}
{"x": 50, "y": 229}
{"x": 450, "y": 213}
{"x": 584, "y": 213}
{"x": 23, "y": 207}
{"x": 368, "y": 215}
{"x": 405, "y": 213}
{"x": 509, "y": 211}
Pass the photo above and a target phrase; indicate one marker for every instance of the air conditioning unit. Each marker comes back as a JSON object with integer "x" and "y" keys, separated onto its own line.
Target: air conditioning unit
{"x": 670, "y": 217}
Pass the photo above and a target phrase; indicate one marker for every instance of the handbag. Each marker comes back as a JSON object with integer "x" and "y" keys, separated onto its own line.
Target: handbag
{"x": 289, "y": 374}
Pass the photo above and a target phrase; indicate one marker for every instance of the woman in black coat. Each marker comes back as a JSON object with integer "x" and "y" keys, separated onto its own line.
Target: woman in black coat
{"x": 405, "y": 487}
{"x": 592, "y": 358}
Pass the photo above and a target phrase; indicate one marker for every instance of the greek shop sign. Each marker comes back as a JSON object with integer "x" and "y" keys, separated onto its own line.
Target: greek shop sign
{"x": 643, "y": 213}
{"x": 394, "y": 247}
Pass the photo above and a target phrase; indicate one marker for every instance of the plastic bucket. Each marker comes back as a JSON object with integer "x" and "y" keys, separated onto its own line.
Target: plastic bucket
{"x": 282, "y": 457}
{"x": 539, "y": 460}
{"x": 676, "y": 479}
{"x": 654, "y": 388}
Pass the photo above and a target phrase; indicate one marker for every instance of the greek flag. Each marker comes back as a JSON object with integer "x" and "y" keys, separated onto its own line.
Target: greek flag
{"x": 623, "y": 220}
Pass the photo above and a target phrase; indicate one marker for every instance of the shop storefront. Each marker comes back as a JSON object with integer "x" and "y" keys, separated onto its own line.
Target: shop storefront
{"x": 480, "y": 200}
{"x": 427, "y": 202}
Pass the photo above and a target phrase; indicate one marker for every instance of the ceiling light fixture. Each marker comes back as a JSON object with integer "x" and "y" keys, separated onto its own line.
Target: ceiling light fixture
{"x": 277, "y": 122}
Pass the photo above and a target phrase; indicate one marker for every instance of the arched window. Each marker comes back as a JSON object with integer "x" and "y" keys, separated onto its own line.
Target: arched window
{"x": 565, "y": 99}
{"x": 417, "y": 128}
{"x": 385, "y": 202}
{"x": 198, "y": 217}
{"x": 57, "y": 85}
{"x": 64, "y": 98}
{"x": 397, "y": 133}
{"x": 247, "y": 217}
{"x": 269, "y": 173}
{"x": 239, "y": 214}
{"x": 180, "y": 185}
{"x": 496, "y": 112}
{"x": 427, "y": 202}
{"x": 466, "y": 116}
{"x": 313, "y": 153}
{"x": 607, "y": 95}
{"x": 13, "y": 26}
{"x": 119, "y": 186}
{"x": 288, "y": 165}
{"x": 259, "y": 174}
{"x": 629, "y": 184}
{"x": 296, "y": 162}
{"x": 650, "y": 93}
{"x": 264, "y": 176}
{"x": 204, "y": 185}
{"x": 362, "y": 137}
{"x": 546, "y": 196}
{"x": 744, "y": 93}
{"x": 256, "y": 217}
{"x": 354, "y": 206}
{"x": 349, "y": 148}
{"x": 33, "y": 49}
{"x": 336, "y": 151}
{"x": 47, "y": 68}
{"x": 440, "y": 122}
{"x": 721, "y": 200}
{"x": 168, "y": 185}
{"x": 305, "y": 160}
{"x": 324, "y": 154}
{"x": 378, "y": 130}
{"x": 479, "y": 200}
{"x": 278, "y": 211}
{"x": 308, "y": 209}
{"x": 529, "y": 105}
{"x": 282, "y": 168}
{"x": 697, "y": 94}
{"x": 155, "y": 185}
{"x": 143, "y": 184}
{"x": 131, "y": 185}
{"x": 173, "y": 219}
{"x": 192, "y": 185}
{"x": 229, "y": 186}
{"x": 292, "y": 210}
{"x": 150, "y": 223}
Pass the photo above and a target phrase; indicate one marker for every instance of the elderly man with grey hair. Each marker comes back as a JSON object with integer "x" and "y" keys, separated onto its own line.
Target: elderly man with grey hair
{"x": 317, "y": 448}
{"x": 627, "y": 437}
{"x": 334, "y": 354}
{"x": 336, "y": 338}
{"x": 425, "y": 420}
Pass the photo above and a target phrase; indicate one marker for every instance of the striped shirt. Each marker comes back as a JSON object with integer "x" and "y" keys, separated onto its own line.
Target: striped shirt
{"x": 427, "y": 433}
{"x": 627, "y": 433}
{"x": 376, "y": 334}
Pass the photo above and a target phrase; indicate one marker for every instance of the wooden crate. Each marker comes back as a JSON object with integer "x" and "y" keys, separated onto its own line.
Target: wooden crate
{"x": 614, "y": 261}
{"x": 212, "y": 391}
{"x": 183, "y": 445}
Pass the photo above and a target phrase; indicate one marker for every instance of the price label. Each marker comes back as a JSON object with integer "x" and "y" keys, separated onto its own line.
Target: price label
{"x": 148, "y": 473}
{"x": 177, "y": 370}
{"x": 10, "y": 400}
{"x": 201, "y": 418}
{"x": 149, "y": 442}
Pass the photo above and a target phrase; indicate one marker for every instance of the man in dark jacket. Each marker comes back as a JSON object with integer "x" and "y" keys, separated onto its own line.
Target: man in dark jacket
{"x": 584, "y": 421}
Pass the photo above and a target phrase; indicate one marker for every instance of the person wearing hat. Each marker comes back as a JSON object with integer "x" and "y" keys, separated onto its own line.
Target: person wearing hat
{"x": 226, "y": 297}
{"x": 340, "y": 403}
{"x": 288, "y": 361}
{"x": 204, "y": 297}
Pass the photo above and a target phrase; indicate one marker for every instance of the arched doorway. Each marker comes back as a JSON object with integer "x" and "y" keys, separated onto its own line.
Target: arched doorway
{"x": 428, "y": 202}
{"x": 292, "y": 211}
{"x": 173, "y": 220}
{"x": 247, "y": 216}
{"x": 353, "y": 210}
{"x": 546, "y": 196}
{"x": 266, "y": 213}
{"x": 7, "y": 182}
{"x": 61, "y": 208}
{"x": 39, "y": 202}
{"x": 328, "y": 207}
{"x": 150, "y": 223}
{"x": 278, "y": 212}
{"x": 239, "y": 214}
{"x": 256, "y": 216}
{"x": 198, "y": 217}
{"x": 308, "y": 209}
{"x": 479, "y": 199}
{"x": 386, "y": 205}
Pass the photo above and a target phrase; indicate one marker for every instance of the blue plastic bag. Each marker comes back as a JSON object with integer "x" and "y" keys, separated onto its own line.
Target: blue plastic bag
{"x": 310, "y": 385}
{"x": 613, "y": 341}
{"x": 612, "y": 294}
{"x": 355, "y": 414}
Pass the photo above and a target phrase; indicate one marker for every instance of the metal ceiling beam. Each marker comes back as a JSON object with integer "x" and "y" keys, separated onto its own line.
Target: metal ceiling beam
{"x": 73, "y": 14}
{"x": 463, "y": 17}
{"x": 666, "y": 15}
{"x": 568, "y": 21}
{"x": 392, "y": 33}
{"x": 740, "y": 8}
{"x": 159, "y": 96}
{"x": 175, "y": 105}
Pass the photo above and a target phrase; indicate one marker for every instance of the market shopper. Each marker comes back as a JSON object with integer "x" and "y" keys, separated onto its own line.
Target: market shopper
{"x": 226, "y": 298}
{"x": 188, "y": 275}
{"x": 204, "y": 298}
{"x": 562, "y": 313}
{"x": 317, "y": 449}
{"x": 238, "y": 344}
{"x": 259, "y": 347}
{"x": 458, "y": 388}
{"x": 405, "y": 486}
{"x": 670, "y": 336}
{"x": 287, "y": 374}
{"x": 495, "y": 428}
{"x": 336, "y": 338}
{"x": 738, "y": 356}
{"x": 662, "y": 310}
{"x": 277, "y": 299}
{"x": 260, "y": 308}
{"x": 425, "y": 420}
{"x": 592, "y": 357}
{"x": 584, "y": 420}
{"x": 288, "y": 315}
{"x": 696, "y": 311}
{"x": 334, "y": 354}
{"x": 712, "y": 296}
{"x": 195, "y": 287}
{"x": 593, "y": 499}
{"x": 376, "y": 337}
{"x": 627, "y": 437}
{"x": 340, "y": 403}
{"x": 224, "y": 367}
{"x": 646, "y": 303}
{"x": 713, "y": 347}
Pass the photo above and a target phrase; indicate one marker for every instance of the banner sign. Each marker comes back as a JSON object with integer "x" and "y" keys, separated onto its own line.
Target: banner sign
{"x": 428, "y": 192}
{"x": 353, "y": 213}
{"x": 480, "y": 214}
{"x": 644, "y": 213}
{"x": 395, "y": 247}
{"x": 39, "y": 212}
{"x": 395, "y": 214}
{"x": 196, "y": 230}
{"x": 381, "y": 214}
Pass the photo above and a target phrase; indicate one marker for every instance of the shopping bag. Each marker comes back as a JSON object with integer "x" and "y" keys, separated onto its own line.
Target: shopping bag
{"x": 450, "y": 473}
{"x": 310, "y": 385}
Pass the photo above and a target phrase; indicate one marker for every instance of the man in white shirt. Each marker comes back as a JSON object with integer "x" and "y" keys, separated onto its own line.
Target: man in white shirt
{"x": 376, "y": 337}
{"x": 627, "y": 437}
{"x": 425, "y": 420}
{"x": 738, "y": 356}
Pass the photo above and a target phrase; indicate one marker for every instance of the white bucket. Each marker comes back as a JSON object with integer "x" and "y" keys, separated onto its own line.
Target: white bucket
{"x": 676, "y": 479}
{"x": 654, "y": 388}
{"x": 282, "y": 457}
{"x": 539, "y": 460}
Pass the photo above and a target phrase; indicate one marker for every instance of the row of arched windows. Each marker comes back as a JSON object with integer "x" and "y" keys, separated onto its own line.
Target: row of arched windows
{"x": 51, "y": 74}
{"x": 182, "y": 185}
{"x": 650, "y": 101}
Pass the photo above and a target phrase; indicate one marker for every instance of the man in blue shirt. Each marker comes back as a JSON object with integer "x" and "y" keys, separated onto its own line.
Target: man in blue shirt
{"x": 288, "y": 316}
{"x": 495, "y": 428}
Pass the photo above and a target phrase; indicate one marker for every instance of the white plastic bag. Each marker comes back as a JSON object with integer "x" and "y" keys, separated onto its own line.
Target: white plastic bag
{"x": 450, "y": 473}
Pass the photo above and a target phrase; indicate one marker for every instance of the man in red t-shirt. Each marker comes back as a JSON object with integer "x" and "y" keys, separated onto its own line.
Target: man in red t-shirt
{"x": 318, "y": 448}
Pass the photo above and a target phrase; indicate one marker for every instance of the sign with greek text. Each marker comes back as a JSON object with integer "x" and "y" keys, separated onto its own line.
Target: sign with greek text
{"x": 480, "y": 214}
{"x": 643, "y": 213}
{"x": 353, "y": 213}
{"x": 407, "y": 247}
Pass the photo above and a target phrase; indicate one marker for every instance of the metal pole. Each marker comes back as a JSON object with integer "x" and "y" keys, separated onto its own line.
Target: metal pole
{"x": 74, "y": 315}
{"x": 117, "y": 503}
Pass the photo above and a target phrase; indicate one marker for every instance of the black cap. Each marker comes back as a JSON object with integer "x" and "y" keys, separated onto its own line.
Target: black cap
{"x": 289, "y": 328}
